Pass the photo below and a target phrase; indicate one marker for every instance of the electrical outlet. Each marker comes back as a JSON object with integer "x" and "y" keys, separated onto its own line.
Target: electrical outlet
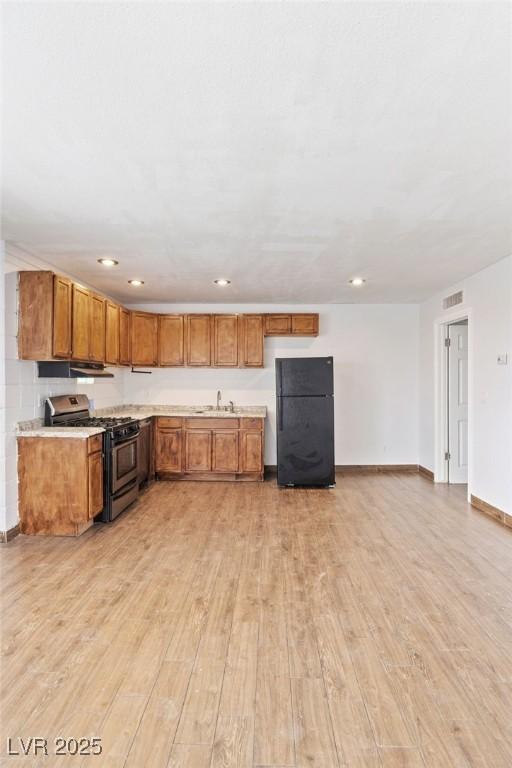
{"x": 502, "y": 359}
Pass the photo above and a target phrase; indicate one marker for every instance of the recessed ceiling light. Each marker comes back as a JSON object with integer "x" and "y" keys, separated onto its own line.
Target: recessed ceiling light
{"x": 108, "y": 262}
{"x": 222, "y": 281}
{"x": 136, "y": 283}
{"x": 357, "y": 281}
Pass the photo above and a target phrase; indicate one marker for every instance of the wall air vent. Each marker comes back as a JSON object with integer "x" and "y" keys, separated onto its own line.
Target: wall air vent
{"x": 453, "y": 300}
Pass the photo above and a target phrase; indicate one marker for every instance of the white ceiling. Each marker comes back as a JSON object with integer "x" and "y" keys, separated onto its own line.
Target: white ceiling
{"x": 286, "y": 146}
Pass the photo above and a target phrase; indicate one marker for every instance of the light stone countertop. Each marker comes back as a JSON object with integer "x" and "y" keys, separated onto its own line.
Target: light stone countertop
{"x": 35, "y": 428}
{"x": 145, "y": 411}
{"x": 81, "y": 433}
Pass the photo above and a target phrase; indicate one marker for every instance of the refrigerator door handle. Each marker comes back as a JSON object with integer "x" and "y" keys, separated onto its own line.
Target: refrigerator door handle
{"x": 279, "y": 364}
{"x": 280, "y": 405}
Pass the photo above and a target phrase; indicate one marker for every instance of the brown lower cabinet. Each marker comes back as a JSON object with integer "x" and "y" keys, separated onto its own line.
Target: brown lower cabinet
{"x": 210, "y": 448}
{"x": 60, "y": 484}
{"x": 168, "y": 450}
{"x": 198, "y": 450}
{"x": 225, "y": 454}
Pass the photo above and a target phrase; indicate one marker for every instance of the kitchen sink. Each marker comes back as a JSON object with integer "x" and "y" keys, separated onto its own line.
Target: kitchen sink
{"x": 213, "y": 409}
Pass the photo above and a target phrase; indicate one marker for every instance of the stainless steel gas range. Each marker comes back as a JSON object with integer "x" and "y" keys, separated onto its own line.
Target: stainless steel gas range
{"x": 120, "y": 449}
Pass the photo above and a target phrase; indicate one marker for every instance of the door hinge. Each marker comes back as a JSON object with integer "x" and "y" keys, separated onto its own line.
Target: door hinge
{"x": 447, "y": 456}
{"x": 447, "y": 342}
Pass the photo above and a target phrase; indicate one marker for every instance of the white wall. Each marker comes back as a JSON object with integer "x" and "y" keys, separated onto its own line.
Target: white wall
{"x": 25, "y": 394}
{"x": 375, "y": 349}
{"x": 2, "y": 385}
{"x": 488, "y": 296}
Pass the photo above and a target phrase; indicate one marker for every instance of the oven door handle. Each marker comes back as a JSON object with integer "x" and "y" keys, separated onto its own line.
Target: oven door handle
{"x": 133, "y": 436}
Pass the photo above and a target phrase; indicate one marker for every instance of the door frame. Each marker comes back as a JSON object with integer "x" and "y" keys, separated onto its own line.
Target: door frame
{"x": 441, "y": 393}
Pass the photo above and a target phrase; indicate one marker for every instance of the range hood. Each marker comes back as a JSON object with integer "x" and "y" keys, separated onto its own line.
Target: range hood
{"x": 64, "y": 369}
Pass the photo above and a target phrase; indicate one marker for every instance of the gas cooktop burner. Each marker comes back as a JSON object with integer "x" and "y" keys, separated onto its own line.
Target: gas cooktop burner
{"x": 101, "y": 421}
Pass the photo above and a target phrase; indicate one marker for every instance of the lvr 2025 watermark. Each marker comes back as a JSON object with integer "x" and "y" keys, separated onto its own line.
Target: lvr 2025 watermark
{"x": 39, "y": 746}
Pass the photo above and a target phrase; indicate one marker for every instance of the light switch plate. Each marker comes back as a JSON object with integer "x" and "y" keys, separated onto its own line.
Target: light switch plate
{"x": 502, "y": 359}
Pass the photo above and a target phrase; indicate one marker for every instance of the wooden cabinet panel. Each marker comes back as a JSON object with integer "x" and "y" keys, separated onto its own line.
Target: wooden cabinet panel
{"x": 251, "y": 452}
{"x": 171, "y": 340}
{"x": 124, "y": 337}
{"x": 112, "y": 333}
{"x": 198, "y": 450}
{"x": 225, "y": 451}
{"x": 95, "y": 483}
{"x": 60, "y": 485}
{"x": 251, "y": 341}
{"x": 95, "y": 443}
{"x": 168, "y": 450}
{"x": 215, "y": 422}
{"x": 144, "y": 338}
{"x": 249, "y": 422}
{"x": 62, "y": 303}
{"x": 81, "y": 323}
{"x": 278, "y": 325}
{"x": 169, "y": 422}
{"x": 97, "y": 345}
{"x": 305, "y": 325}
{"x": 225, "y": 341}
{"x": 198, "y": 340}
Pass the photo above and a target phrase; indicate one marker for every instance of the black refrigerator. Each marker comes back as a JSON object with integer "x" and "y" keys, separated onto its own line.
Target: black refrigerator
{"x": 305, "y": 421}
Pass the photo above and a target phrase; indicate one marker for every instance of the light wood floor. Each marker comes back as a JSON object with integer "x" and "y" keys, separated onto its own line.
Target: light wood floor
{"x": 222, "y": 625}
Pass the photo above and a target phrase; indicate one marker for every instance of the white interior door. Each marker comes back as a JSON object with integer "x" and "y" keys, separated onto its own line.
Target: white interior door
{"x": 458, "y": 403}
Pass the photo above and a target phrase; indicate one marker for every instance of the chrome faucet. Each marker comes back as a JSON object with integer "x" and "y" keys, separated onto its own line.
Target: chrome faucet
{"x": 231, "y": 406}
{"x": 219, "y": 398}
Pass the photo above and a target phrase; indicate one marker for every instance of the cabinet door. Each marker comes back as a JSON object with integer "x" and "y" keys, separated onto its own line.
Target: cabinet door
{"x": 168, "y": 450}
{"x": 81, "y": 323}
{"x": 278, "y": 325}
{"x": 225, "y": 341}
{"x": 97, "y": 350}
{"x": 305, "y": 325}
{"x": 95, "y": 461}
{"x": 251, "y": 452}
{"x": 62, "y": 303}
{"x": 124, "y": 337}
{"x": 225, "y": 451}
{"x": 198, "y": 450}
{"x": 199, "y": 340}
{"x": 171, "y": 340}
{"x": 144, "y": 338}
{"x": 251, "y": 341}
{"x": 112, "y": 334}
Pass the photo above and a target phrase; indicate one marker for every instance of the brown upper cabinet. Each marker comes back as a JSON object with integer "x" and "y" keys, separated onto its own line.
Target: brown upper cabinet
{"x": 112, "y": 333}
{"x": 81, "y": 323}
{"x": 296, "y": 324}
{"x": 278, "y": 325}
{"x": 62, "y": 302}
{"x": 97, "y": 318}
{"x": 61, "y": 319}
{"x": 125, "y": 353}
{"x": 225, "y": 341}
{"x": 144, "y": 338}
{"x": 171, "y": 340}
{"x": 199, "y": 340}
{"x": 250, "y": 344}
{"x": 305, "y": 325}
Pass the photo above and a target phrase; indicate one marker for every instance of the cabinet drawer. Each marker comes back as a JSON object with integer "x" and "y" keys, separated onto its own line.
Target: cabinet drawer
{"x": 94, "y": 443}
{"x": 215, "y": 423}
{"x": 169, "y": 422}
{"x": 251, "y": 423}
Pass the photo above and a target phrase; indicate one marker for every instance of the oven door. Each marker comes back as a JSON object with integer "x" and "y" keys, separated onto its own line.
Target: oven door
{"x": 124, "y": 462}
